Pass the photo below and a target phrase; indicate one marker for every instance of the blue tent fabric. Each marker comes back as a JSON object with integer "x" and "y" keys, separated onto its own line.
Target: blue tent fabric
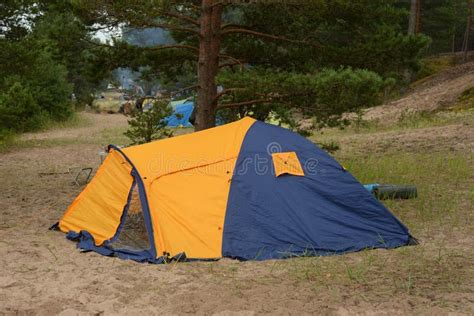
{"x": 327, "y": 211}
{"x": 181, "y": 115}
{"x": 85, "y": 242}
{"x": 184, "y": 109}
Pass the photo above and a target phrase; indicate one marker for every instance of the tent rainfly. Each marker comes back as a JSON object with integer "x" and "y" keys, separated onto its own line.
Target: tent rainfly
{"x": 245, "y": 190}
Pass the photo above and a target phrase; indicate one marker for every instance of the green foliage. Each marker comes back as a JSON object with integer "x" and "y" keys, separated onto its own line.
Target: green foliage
{"x": 325, "y": 94}
{"x": 150, "y": 125}
{"x": 15, "y": 17}
{"x": 345, "y": 90}
{"x": 363, "y": 34}
{"x": 64, "y": 36}
{"x": 33, "y": 88}
{"x": 18, "y": 109}
{"x": 433, "y": 65}
{"x": 50, "y": 88}
{"x": 445, "y": 22}
{"x": 320, "y": 58}
{"x": 47, "y": 57}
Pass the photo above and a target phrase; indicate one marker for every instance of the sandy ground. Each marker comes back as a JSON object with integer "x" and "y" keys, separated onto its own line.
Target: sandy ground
{"x": 100, "y": 122}
{"x": 434, "y": 93}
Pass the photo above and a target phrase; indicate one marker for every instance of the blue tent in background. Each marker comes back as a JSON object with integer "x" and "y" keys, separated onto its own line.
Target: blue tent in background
{"x": 182, "y": 111}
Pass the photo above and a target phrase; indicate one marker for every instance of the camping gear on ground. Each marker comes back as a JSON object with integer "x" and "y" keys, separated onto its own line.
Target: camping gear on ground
{"x": 246, "y": 190}
{"x": 392, "y": 191}
{"x": 79, "y": 175}
{"x": 370, "y": 187}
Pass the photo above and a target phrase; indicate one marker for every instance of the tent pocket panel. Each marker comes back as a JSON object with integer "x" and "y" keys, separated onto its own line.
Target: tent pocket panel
{"x": 287, "y": 163}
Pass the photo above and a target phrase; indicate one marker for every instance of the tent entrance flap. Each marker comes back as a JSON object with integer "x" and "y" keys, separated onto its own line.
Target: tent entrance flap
{"x": 132, "y": 234}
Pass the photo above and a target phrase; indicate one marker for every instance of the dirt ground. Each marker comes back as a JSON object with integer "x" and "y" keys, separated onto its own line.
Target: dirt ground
{"x": 433, "y": 93}
{"x": 43, "y": 273}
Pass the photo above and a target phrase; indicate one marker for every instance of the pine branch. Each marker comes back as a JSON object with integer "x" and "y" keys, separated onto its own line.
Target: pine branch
{"x": 230, "y": 64}
{"x": 268, "y": 99}
{"x": 250, "y": 102}
{"x": 177, "y": 46}
{"x": 266, "y": 35}
{"x": 192, "y": 87}
{"x": 227, "y": 91}
{"x": 173, "y": 47}
{"x": 229, "y": 25}
{"x": 234, "y": 60}
{"x": 183, "y": 18}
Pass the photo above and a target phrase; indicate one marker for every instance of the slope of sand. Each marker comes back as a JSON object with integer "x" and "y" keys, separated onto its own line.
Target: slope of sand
{"x": 434, "y": 93}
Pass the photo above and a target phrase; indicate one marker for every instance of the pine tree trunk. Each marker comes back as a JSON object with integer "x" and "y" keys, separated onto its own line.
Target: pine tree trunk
{"x": 412, "y": 17}
{"x": 413, "y": 28}
{"x": 468, "y": 29}
{"x": 208, "y": 64}
{"x": 453, "y": 42}
{"x": 418, "y": 17}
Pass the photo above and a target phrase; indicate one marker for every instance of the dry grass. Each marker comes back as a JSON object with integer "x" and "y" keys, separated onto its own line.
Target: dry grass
{"x": 109, "y": 102}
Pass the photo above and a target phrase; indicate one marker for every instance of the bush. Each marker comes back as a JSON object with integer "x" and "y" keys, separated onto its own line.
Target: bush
{"x": 50, "y": 88}
{"x": 345, "y": 90}
{"x": 18, "y": 109}
{"x": 33, "y": 88}
{"x": 150, "y": 125}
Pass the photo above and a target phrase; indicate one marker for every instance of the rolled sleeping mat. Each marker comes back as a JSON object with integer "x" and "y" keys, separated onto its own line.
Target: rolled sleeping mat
{"x": 371, "y": 187}
{"x": 390, "y": 191}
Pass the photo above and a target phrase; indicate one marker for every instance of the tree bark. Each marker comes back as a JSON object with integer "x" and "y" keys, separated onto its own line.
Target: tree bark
{"x": 418, "y": 17}
{"x": 208, "y": 64}
{"x": 413, "y": 28}
{"x": 468, "y": 28}
{"x": 453, "y": 42}
{"x": 414, "y": 18}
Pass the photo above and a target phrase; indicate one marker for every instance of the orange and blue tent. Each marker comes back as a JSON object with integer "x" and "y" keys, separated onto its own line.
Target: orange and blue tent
{"x": 246, "y": 190}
